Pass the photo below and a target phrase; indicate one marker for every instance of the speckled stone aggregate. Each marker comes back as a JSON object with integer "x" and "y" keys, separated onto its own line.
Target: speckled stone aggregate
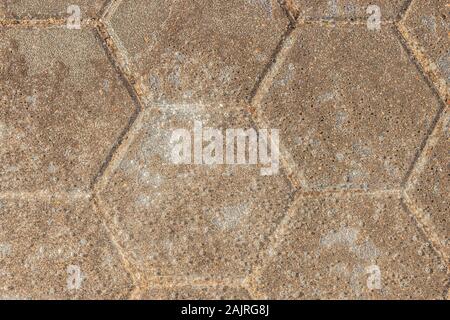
{"x": 346, "y": 9}
{"x": 42, "y": 9}
{"x": 92, "y": 207}
{"x": 43, "y": 243}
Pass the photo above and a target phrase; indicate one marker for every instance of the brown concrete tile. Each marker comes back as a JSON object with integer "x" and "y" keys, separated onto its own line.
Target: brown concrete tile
{"x": 335, "y": 248}
{"x": 347, "y": 9}
{"x": 196, "y": 220}
{"x": 428, "y": 23}
{"x": 351, "y": 107}
{"x": 44, "y": 245}
{"x": 62, "y": 108}
{"x": 42, "y": 9}
{"x": 431, "y": 190}
{"x": 210, "y": 51}
{"x": 189, "y": 292}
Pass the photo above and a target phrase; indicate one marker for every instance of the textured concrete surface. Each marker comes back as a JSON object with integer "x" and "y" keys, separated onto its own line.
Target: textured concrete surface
{"x": 431, "y": 188}
{"x": 62, "y": 108}
{"x": 192, "y": 220}
{"x": 352, "y": 115}
{"x": 41, "y": 9}
{"x": 345, "y": 9}
{"x": 91, "y": 206}
{"x": 330, "y": 247}
{"x": 207, "y": 51}
{"x": 196, "y": 293}
{"x": 43, "y": 242}
{"x": 427, "y": 25}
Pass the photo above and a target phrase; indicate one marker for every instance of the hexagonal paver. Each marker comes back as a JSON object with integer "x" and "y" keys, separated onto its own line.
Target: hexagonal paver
{"x": 428, "y": 22}
{"x": 352, "y": 247}
{"x": 347, "y": 9}
{"x": 431, "y": 188}
{"x": 351, "y": 106}
{"x": 196, "y": 220}
{"x": 62, "y": 107}
{"x": 57, "y": 250}
{"x": 196, "y": 293}
{"x": 42, "y": 9}
{"x": 205, "y": 50}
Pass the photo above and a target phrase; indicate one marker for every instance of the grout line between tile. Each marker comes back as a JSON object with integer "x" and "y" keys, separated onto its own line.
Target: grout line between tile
{"x": 273, "y": 242}
{"x": 351, "y": 192}
{"x": 43, "y": 23}
{"x": 119, "y": 61}
{"x": 422, "y": 63}
{"x": 340, "y": 22}
{"x": 427, "y": 228}
{"x": 428, "y": 232}
{"x": 138, "y": 107}
{"x": 108, "y": 8}
{"x": 128, "y": 266}
{"x": 294, "y": 174}
{"x": 404, "y": 10}
{"x": 119, "y": 152}
{"x": 290, "y": 9}
{"x": 417, "y": 63}
{"x": 45, "y": 195}
{"x": 424, "y": 157}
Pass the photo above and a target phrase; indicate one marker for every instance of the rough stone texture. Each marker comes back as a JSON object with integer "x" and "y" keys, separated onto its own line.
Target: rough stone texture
{"x": 428, "y": 21}
{"x": 41, "y": 9}
{"x": 196, "y": 293}
{"x": 347, "y": 9}
{"x": 86, "y": 118}
{"x": 62, "y": 107}
{"x": 208, "y": 51}
{"x": 40, "y": 240}
{"x": 352, "y": 108}
{"x": 332, "y": 247}
{"x": 431, "y": 189}
{"x": 192, "y": 220}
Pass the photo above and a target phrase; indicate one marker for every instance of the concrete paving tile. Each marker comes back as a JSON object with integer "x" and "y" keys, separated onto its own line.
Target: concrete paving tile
{"x": 351, "y": 107}
{"x": 207, "y": 51}
{"x": 354, "y": 107}
{"x": 431, "y": 189}
{"x": 196, "y": 293}
{"x": 62, "y": 108}
{"x": 352, "y": 247}
{"x": 428, "y": 21}
{"x": 57, "y": 250}
{"x": 195, "y": 220}
{"x": 347, "y": 9}
{"x": 42, "y": 9}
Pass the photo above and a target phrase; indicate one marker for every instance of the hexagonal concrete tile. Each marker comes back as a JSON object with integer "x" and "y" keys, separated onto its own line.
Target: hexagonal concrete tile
{"x": 193, "y": 292}
{"x": 62, "y": 107}
{"x": 352, "y": 247}
{"x": 208, "y": 51}
{"x": 428, "y": 23}
{"x": 352, "y": 108}
{"x": 42, "y": 9}
{"x": 431, "y": 188}
{"x": 198, "y": 220}
{"x": 348, "y": 9}
{"x": 57, "y": 250}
